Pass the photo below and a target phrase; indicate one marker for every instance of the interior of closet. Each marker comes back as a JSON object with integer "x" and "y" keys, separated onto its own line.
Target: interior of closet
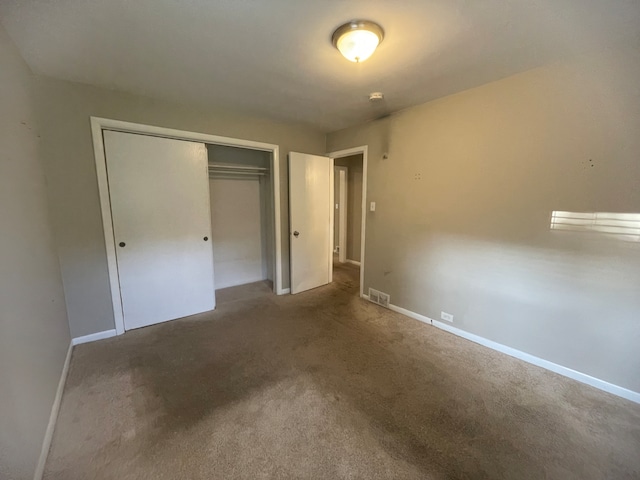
{"x": 242, "y": 223}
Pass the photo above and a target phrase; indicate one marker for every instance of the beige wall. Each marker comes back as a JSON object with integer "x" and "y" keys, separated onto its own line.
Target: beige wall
{"x": 354, "y": 204}
{"x": 34, "y": 334}
{"x": 464, "y": 202}
{"x": 236, "y": 231}
{"x": 64, "y": 109}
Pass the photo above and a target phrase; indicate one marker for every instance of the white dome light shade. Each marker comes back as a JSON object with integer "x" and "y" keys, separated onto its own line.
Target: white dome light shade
{"x": 358, "y": 45}
{"x": 357, "y": 40}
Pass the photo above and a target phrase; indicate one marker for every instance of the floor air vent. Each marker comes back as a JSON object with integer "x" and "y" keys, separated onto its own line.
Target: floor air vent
{"x": 378, "y": 297}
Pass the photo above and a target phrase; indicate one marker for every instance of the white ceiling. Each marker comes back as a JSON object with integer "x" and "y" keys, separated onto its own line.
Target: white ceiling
{"x": 275, "y": 58}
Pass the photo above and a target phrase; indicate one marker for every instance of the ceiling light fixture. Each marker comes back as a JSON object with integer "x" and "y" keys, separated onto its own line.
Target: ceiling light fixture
{"x": 357, "y": 39}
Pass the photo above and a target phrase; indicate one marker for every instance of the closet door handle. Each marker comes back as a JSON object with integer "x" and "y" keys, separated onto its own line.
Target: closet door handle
{"x": 206, "y": 238}
{"x": 296, "y": 233}
{"x": 122, "y": 244}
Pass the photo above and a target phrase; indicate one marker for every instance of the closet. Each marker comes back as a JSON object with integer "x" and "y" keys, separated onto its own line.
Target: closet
{"x": 241, "y": 215}
{"x": 187, "y": 218}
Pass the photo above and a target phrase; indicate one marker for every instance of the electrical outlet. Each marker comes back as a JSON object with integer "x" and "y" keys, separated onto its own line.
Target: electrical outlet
{"x": 446, "y": 316}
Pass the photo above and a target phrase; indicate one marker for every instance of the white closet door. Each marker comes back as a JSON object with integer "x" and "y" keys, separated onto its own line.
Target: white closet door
{"x": 162, "y": 227}
{"x": 310, "y": 220}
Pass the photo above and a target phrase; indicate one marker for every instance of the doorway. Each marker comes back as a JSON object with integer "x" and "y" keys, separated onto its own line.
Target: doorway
{"x": 349, "y": 205}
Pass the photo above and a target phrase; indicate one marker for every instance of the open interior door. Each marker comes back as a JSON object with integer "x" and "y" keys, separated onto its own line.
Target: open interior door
{"x": 310, "y": 220}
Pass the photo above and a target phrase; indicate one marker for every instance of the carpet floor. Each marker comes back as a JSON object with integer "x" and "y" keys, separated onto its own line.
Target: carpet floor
{"x": 326, "y": 385}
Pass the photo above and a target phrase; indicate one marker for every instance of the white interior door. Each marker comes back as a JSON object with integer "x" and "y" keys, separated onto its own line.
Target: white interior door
{"x": 310, "y": 220}
{"x": 162, "y": 227}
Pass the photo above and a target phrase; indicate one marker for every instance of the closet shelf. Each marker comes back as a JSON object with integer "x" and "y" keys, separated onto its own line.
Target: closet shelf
{"x": 213, "y": 173}
{"x": 221, "y": 166}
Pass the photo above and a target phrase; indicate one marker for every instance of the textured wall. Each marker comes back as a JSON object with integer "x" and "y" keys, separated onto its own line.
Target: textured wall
{"x": 464, "y": 202}
{"x": 64, "y": 111}
{"x": 34, "y": 334}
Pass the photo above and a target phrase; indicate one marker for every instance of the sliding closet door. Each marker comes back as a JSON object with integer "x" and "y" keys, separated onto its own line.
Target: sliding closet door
{"x": 162, "y": 227}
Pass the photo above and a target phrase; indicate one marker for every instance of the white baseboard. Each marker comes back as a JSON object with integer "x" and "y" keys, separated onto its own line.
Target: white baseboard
{"x": 94, "y": 336}
{"x": 284, "y": 291}
{"x": 526, "y": 357}
{"x": 409, "y": 313}
{"x": 353, "y": 262}
{"x": 55, "y": 408}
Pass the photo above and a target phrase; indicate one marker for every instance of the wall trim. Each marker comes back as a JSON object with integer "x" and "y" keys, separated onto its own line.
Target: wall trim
{"x": 94, "y": 336}
{"x": 355, "y": 262}
{"x": 53, "y": 418}
{"x": 410, "y": 314}
{"x": 99, "y": 124}
{"x": 526, "y": 357}
{"x": 342, "y": 213}
{"x": 284, "y": 291}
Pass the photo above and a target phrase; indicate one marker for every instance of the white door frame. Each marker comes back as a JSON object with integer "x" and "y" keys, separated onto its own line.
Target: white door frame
{"x": 342, "y": 212}
{"x": 346, "y": 153}
{"x": 99, "y": 124}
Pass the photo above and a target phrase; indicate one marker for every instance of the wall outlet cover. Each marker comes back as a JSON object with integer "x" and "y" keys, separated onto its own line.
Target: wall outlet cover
{"x": 446, "y": 316}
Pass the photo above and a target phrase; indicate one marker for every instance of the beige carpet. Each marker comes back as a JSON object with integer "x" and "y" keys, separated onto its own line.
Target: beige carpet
{"x": 325, "y": 385}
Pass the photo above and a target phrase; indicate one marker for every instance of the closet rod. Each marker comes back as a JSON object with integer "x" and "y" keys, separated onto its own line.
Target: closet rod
{"x": 231, "y": 173}
{"x": 236, "y": 167}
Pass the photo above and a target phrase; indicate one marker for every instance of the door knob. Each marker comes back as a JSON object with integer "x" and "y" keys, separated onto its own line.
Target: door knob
{"x": 296, "y": 233}
{"x": 122, "y": 244}
{"x": 206, "y": 238}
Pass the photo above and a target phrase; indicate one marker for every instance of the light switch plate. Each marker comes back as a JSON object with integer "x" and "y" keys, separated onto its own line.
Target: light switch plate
{"x": 373, "y": 206}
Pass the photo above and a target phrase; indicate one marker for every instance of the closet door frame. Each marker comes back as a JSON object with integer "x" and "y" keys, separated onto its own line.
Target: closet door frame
{"x": 99, "y": 124}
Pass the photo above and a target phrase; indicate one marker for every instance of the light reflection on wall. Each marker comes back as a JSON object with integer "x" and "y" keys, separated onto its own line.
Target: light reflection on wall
{"x": 621, "y": 226}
